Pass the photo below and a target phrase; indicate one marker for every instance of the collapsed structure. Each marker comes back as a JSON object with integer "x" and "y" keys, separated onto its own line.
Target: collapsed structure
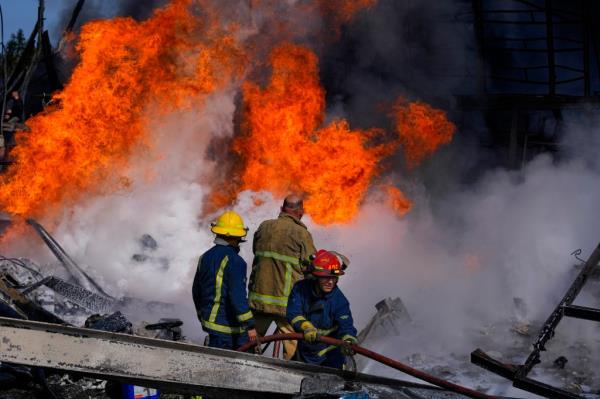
{"x": 185, "y": 368}
{"x": 134, "y": 359}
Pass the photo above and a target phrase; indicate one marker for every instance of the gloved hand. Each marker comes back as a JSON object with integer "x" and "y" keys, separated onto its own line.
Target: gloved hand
{"x": 311, "y": 334}
{"x": 346, "y": 347}
{"x": 253, "y": 336}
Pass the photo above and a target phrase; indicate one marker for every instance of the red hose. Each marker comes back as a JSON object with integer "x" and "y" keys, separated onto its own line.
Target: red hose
{"x": 379, "y": 358}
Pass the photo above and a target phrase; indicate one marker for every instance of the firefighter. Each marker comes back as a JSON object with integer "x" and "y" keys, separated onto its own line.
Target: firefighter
{"x": 317, "y": 307}
{"x": 219, "y": 288}
{"x": 280, "y": 247}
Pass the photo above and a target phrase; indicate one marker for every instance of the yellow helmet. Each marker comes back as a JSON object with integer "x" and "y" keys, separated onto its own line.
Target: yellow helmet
{"x": 229, "y": 224}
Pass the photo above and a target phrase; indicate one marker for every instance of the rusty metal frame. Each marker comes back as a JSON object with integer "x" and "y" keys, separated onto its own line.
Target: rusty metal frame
{"x": 518, "y": 373}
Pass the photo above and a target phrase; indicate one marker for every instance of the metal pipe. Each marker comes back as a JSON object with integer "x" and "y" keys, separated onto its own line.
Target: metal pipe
{"x": 551, "y": 49}
{"x": 586, "y": 49}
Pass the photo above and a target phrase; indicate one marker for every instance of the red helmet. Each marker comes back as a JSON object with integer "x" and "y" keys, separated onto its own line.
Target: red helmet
{"x": 325, "y": 264}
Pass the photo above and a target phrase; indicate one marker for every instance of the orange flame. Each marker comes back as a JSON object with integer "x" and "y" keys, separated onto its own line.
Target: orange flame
{"x": 130, "y": 72}
{"x": 422, "y": 130}
{"x": 127, "y": 68}
{"x": 283, "y": 149}
{"x": 397, "y": 200}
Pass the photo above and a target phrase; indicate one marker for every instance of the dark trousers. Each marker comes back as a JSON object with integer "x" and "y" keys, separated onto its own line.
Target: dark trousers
{"x": 227, "y": 341}
{"x": 334, "y": 358}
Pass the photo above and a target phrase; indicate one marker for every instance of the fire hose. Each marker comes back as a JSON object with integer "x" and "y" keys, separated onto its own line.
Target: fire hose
{"x": 378, "y": 358}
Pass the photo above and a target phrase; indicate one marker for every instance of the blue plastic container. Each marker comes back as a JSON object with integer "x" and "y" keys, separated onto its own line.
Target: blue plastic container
{"x": 135, "y": 392}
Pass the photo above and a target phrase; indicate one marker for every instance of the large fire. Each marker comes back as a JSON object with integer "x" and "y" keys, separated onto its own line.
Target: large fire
{"x": 128, "y": 70}
{"x": 131, "y": 72}
{"x": 284, "y": 147}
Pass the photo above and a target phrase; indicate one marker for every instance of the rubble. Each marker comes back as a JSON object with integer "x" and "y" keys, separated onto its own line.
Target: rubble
{"x": 390, "y": 317}
{"x": 458, "y": 368}
{"x": 115, "y": 322}
{"x": 166, "y": 328}
{"x": 66, "y": 386}
{"x": 522, "y": 329}
{"x": 560, "y": 362}
{"x": 148, "y": 245}
{"x": 518, "y": 373}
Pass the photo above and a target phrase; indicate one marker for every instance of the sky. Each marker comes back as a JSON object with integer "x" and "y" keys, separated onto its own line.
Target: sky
{"x": 21, "y": 14}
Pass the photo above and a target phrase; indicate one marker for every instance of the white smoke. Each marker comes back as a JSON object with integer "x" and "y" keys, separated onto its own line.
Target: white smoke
{"x": 458, "y": 265}
{"x": 457, "y": 268}
{"x": 509, "y": 236}
{"x": 456, "y": 261}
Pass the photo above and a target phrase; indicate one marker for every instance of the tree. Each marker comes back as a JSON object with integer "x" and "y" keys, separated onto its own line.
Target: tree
{"x": 13, "y": 50}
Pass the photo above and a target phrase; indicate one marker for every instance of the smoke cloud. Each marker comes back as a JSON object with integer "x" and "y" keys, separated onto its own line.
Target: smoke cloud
{"x": 456, "y": 260}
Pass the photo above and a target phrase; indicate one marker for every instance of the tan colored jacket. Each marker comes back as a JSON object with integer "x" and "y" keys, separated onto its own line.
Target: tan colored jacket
{"x": 279, "y": 246}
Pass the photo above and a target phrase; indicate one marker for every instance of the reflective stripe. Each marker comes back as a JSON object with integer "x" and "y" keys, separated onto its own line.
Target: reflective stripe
{"x": 324, "y": 351}
{"x": 245, "y": 316}
{"x": 275, "y": 255}
{"x": 287, "y": 288}
{"x": 268, "y": 299}
{"x": 349, "y": 338}
{"x": 344, "y": 317}
{"x": 288, "y": 280}
{"x": 297, "y": 319}
{"x": 221, "y": 328}
{"x": 327, "y": 332}
{"x": 218, "y": 286}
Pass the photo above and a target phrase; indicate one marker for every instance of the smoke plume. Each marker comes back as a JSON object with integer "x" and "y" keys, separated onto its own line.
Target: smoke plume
{"x": 468, "y": 247}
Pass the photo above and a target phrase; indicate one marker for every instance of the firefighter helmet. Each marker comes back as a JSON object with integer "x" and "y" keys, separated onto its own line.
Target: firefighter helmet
{"x": 229, "y": 224}
{"x": 325, "y": 264}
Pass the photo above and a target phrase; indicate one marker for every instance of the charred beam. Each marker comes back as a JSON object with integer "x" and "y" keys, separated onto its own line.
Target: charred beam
{"x": 545, "y": 390}
{"x": 74, "y": 16}
{"x": 518, "y": 374}
{"x": 585, "y": 17}
{"x": 582, "y": 312}
{"x": 70, "y": 265}
{"x": 550, "y": 48}
{"x": 175, "y": 366}
{"x": 509, "y": 371}
{"x": 49, "y": 62}
{"x": 16, "y": 74}
{"x": 483, "y": 360}
{"x": 547, "y": 331}
{"x": 12, "y": 298}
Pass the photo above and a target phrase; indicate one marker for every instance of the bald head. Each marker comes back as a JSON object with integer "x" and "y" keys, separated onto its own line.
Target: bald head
{"x": 293, "y": 204}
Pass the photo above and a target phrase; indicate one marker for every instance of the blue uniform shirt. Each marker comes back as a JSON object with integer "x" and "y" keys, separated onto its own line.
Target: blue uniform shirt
{"x": 330, "y": 313}
{"x": 219, "y": 291}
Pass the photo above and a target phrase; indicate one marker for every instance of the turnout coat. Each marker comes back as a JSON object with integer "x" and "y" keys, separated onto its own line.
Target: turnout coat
{"x": 280, "y": 248}
{"x": 219, "y": 291}
{"x": 329, "y": 313}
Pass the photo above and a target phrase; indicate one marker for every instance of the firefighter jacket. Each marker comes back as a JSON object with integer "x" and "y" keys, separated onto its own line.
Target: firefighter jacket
{"x": 329, "y": 313}
{"x": 280, "y": 246}
{"x": 219, "y": 291}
